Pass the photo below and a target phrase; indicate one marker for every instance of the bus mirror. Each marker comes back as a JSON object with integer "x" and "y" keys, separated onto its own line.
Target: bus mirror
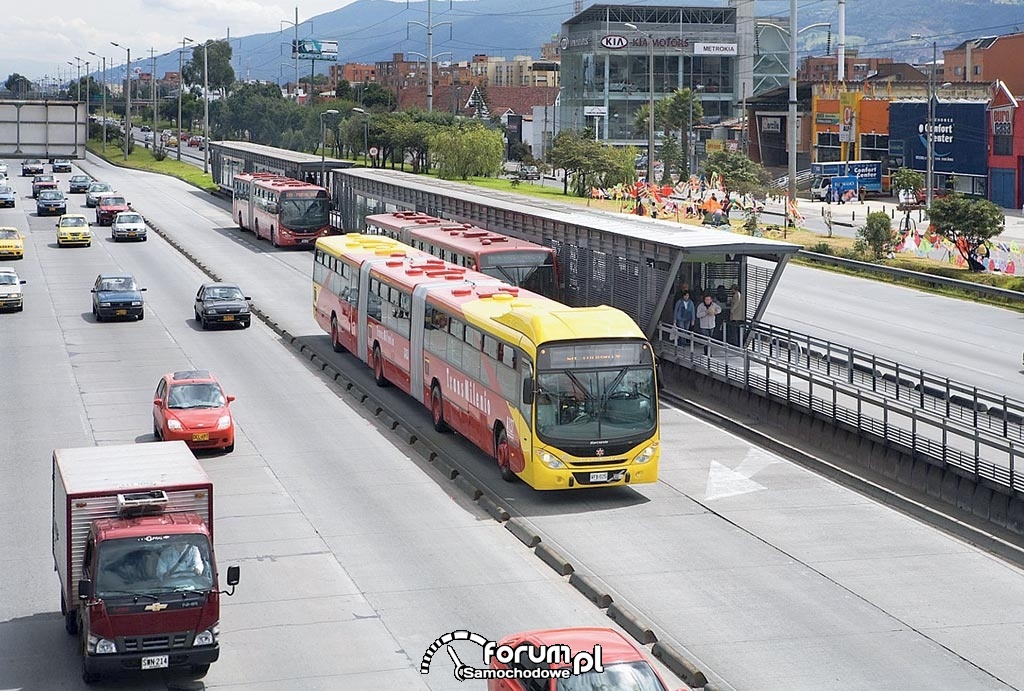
{"x": 528, "y": 391}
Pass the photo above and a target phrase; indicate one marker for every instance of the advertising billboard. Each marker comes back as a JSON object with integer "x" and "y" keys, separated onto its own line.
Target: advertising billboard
{"x": 315, "y": 49}
{"x": 958, "y": 136}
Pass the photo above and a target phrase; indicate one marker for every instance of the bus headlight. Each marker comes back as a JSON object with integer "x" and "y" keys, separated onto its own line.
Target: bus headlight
{"x": 550, "y": 460}
{"x": 101, "y": 646}
{"x": 646, "y": 455}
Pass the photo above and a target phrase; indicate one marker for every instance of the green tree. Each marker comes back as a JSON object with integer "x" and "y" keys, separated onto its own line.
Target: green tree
{"x": 375, "y": 96}
{"x": 466, "y": 149}
{"x": 671, "y": 156}
{"x": 221, "y": 75}
{"x": 18, "y": 85}
{"x": 876, "y": 235}
{"x": 580, "y": 156}
{"x": 741, "y": 176}
{"x": 968, "y": 223}
{"x": 907, "y": 180}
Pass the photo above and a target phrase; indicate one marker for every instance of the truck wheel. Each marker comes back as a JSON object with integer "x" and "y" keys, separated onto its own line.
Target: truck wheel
{"x": 70, "y": 618}
{"x": 89, "y": 677}
{"x": 199, "y": 671}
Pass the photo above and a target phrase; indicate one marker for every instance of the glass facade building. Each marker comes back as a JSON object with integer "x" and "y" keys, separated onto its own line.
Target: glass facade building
{"x": 606, "y": 65}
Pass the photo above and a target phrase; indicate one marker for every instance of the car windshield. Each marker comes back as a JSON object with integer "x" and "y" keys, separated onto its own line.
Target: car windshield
{"x": 7, "y": 279}
{"x": 223, "y": 293}
{"x": 185, "y": 396}
{"x": 153, "y": 564}
{"x": 635, "y": 676}
{"x": 129, "y": 218}
{"x": 32, "y": 162}
{"x": 8, "y": 234}
{"x": 51, "y": 195}
{"x": 73, "y": 222}
{"x": 5, "y": 190}
{"x": 79, "y": 178}
{"x": 112, "y": 201}
{"x": 117, "y": 283}
{"x": 100, "y": 187}
{"x": 44, "y": 178}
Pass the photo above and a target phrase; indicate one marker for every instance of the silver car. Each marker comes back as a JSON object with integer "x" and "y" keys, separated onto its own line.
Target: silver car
{"x": 128, "y": 225}
{"x": 7, "y": 195}
{"x": 95, "y": 191}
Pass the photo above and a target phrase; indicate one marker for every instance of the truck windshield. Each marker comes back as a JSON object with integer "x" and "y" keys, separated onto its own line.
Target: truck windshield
{"x": 153, "y": 564}
{"x": 603, "y": 391}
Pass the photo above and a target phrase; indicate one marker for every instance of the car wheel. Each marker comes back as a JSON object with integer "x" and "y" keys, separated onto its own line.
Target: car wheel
{"x": 156, "y": 431}
{"x": 142, "y": 314}
{"x": 202, "y": 323}
{"x": 378, "y": 367}
{"x": 60, "y": 244}
{"x": 89, "y": 244}
{"x": 437, "y": 410}
{"x": 96, "y": 313}
{"x": 229, "y": 448}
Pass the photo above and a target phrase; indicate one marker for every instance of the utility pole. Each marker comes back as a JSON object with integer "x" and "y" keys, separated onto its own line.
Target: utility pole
{"x": 842, "y": 41}
{"x": 127, "y": 98}
{"x": 206, "y": 103}
{"x": 429, "y": 57}
{"x": 295, "y": 50}
{"x": 181, "y": 85}
{"x": 104, "y": 59}
{"x": 152, "y": 86}
{"x": 791, "y": 120}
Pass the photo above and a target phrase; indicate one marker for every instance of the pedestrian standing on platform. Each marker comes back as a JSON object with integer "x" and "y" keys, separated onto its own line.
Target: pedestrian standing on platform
{"x": 685, "y": 314}
{"x": 706, "y": 313}
{"x": 737, "y": 315}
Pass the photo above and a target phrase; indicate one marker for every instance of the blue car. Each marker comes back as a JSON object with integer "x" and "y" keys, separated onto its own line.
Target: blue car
{"x": 7, "y": 196}
{"x": 116, "y": 296}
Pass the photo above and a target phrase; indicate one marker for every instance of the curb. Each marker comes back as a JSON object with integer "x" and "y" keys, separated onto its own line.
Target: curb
{"x": 553, "y": 558}
{"x": 631, "y": 620}
{"x": 589, "y": 588}
{"x": 680, "y": 666}
{"x": 525, "y": 534}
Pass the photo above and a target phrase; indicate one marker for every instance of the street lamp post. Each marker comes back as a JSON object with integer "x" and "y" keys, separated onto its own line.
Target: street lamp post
{"x": 650, "y": 101}
{"x": 323, "y": 144}
{"x": 691, "y": 145}
{"x": 206, "y": 107}
{"x": 127, "y": 98}
{"x": 366, "y": 132}
{"x": 104, "y": 59}
{"x": 78, "y": 91}
{"x": 87, "y": 99}
{"x": 181, "y": 83}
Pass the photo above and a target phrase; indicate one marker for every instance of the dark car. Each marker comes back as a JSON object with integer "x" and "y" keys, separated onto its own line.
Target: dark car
{"x": 222, "y": 303}
{"x": 32, "y": 166}
{"x": 117, "y": 295}
{"x": 7, "y": 196}
{"x": 51, "y": 202}
{"x": 43, "y": 182}
{"x": 108, "y": 206}
{"x": 60, "y": 165}
{"x": 79, "y": 184}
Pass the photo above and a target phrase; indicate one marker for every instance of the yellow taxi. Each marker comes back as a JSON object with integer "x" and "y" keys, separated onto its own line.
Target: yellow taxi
{"x": 12, "y": 243}
{"x": 73, "y": 229}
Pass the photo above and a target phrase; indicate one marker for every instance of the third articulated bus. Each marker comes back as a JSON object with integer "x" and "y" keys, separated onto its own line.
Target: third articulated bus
{"x": 517, "y": 262}
{"x": 280, "y": 209}
{"x": 562, "y": 397}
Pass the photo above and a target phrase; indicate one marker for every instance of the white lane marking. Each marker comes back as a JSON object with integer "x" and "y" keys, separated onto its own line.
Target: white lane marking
{"x": 725, "y": 482}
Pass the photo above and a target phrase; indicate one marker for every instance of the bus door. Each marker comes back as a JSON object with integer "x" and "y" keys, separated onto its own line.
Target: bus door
{"x": 419, "y": 298}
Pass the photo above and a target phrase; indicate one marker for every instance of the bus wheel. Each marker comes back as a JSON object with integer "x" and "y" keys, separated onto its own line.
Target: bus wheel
{"x": 273, "y": 237}
{"x": 256, "y": 229}
{"x": 378, "y": 367}
{"x": 335, "y": 339}
{"x": 503, "y": 453}
{"x": 437, "y": 410}
{"x": 240, "y": 226}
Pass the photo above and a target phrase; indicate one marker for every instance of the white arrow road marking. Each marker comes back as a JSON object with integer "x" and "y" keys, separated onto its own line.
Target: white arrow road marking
{"x": 725, "y": 482}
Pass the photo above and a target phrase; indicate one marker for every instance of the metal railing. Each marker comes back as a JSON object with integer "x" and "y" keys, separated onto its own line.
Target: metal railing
{"x": 898, "y": 422}
{"x": 966, "y": 404}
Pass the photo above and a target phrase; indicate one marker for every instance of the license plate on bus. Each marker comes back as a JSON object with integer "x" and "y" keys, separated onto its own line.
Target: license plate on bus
{"x": 120, "y": 313}
{"x": 203, "y": 436}
{"x": 599, "y": 477}
{"x": 229, "y": 317}
{"x": 155, "y": 662}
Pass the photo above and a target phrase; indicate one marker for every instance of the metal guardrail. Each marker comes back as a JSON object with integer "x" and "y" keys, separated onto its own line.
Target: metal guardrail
{"x": 962, "y": 403}
{"x": 930, "y": 279}
{"x": 896, "y": 422}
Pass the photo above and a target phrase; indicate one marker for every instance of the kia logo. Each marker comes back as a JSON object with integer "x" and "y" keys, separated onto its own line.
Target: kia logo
{"x": 614, "y": 42}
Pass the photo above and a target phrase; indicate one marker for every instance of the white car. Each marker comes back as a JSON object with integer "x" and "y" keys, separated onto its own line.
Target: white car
{"x": 128, "y": 225}
{"x": 3, "y": 169}
{"x": 10, "y": 290}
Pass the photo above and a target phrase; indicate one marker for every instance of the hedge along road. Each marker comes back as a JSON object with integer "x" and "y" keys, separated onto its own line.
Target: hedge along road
{"x": 769, "y": 575}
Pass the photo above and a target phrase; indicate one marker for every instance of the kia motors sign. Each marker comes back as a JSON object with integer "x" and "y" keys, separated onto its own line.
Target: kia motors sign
{"x": 614, "y": 42}
{"x": 714, "y": 49}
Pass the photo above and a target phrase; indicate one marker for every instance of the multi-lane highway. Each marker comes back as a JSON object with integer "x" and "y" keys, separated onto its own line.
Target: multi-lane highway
{"x": 355, "y": 556}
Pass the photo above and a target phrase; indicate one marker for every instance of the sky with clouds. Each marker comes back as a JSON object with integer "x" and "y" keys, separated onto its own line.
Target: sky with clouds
{"x": 39, "y": 38}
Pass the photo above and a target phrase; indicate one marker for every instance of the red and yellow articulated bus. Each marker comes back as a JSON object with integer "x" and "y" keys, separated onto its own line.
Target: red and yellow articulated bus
{"x": 517, "y": 262}
{"x": 562, "y": 397}
{"x": 280, "y": 209}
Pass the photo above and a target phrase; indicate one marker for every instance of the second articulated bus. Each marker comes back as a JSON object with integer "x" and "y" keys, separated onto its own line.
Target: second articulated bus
{"x": 517, "y": 262}
{"x": 562, "y": 397}
{"x": 280, "y": 209}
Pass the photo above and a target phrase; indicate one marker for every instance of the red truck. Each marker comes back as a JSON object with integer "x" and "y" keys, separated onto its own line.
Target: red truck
{"x": 133, "y": 547}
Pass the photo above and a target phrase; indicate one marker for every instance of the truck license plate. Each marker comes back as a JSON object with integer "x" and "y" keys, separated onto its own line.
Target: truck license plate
{"x": 599, "y": 477}
{"x": 155, "y": 662}
{"x": 201, "y": 436}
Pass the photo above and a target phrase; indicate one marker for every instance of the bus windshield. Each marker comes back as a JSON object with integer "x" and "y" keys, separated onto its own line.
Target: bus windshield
{"x": 304, "y": 214}
{"x": 148, "y": 565}
{"x": 600, "y": 391}
{"x": 534, "y": 271}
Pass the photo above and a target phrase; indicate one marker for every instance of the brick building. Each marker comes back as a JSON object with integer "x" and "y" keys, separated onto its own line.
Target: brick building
{"x": 987, "y": 59}
{"x": 826, "y": 69}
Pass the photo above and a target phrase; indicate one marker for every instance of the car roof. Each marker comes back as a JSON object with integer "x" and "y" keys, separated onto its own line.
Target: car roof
{"x": 7, "y": 270}
{"x": 219, "y": 285}
{"x": 103, "y": 276}
{"x": 614, "y": 646}
{"x": 63, "y": 216}
{"x": 192, "y": 375}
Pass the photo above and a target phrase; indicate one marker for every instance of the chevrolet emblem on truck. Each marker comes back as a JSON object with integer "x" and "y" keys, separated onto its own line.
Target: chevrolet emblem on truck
{"x": 155, "y": 607}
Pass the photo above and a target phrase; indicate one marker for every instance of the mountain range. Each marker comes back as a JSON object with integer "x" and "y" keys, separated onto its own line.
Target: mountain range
{"x": 368, "y": 31}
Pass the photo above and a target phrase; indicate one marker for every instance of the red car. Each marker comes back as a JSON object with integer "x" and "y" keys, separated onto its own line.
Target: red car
{"x": 625, "y": 665}
{"x": 191, "y": 406}
{"x": 108, "y": 206}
